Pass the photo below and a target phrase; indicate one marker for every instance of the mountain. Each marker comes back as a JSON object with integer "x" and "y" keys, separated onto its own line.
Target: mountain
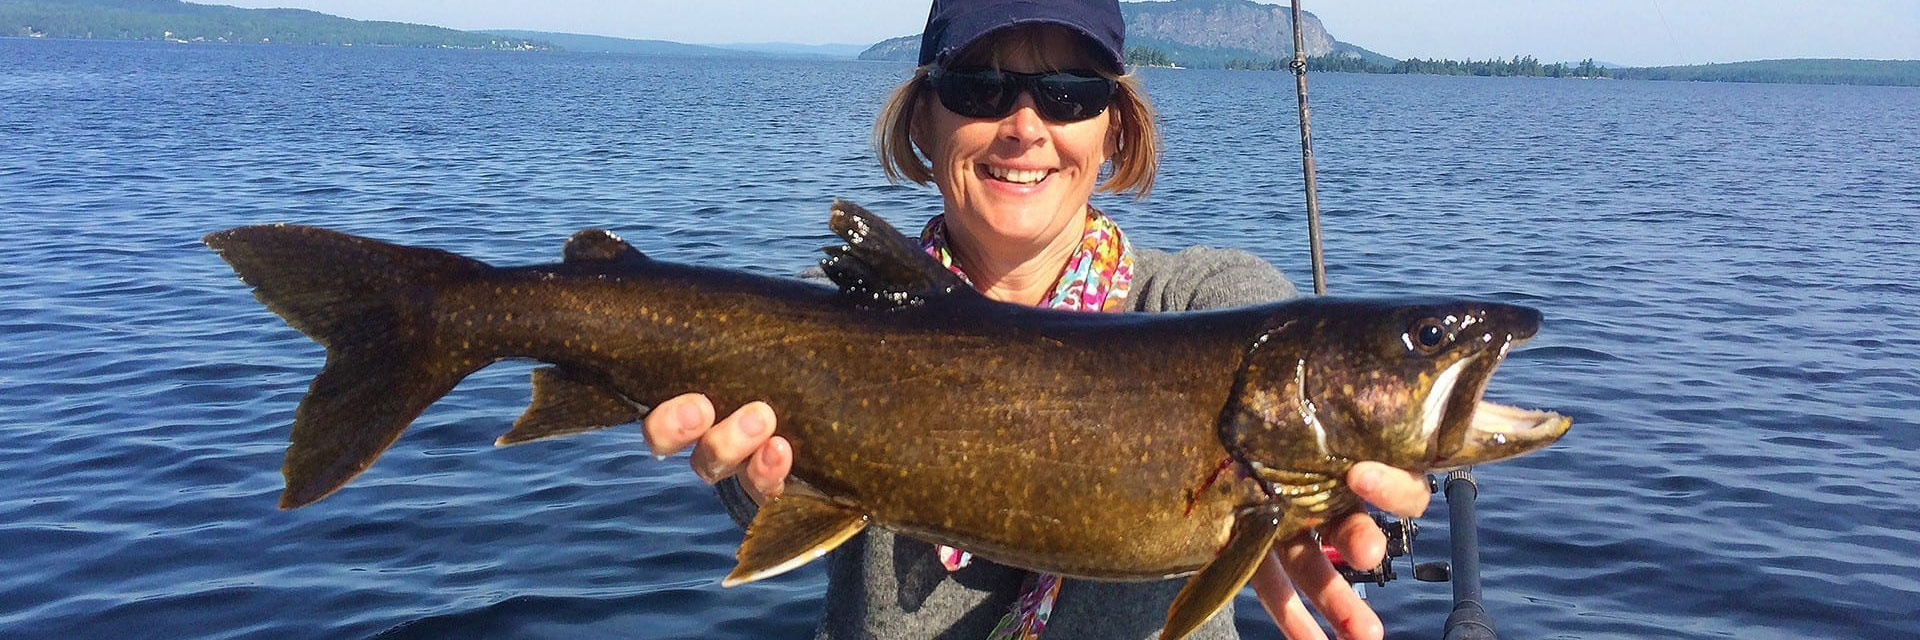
{"x": 1198, "y": 33}
{"x": 838, "y": 51}
{"x": 177, "y": 21}
{"x": 901, "y": 49}
{"x": 603, "y": 44}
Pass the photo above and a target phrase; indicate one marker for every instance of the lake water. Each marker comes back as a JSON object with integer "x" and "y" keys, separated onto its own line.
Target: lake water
{"x": 1731, "y": 275}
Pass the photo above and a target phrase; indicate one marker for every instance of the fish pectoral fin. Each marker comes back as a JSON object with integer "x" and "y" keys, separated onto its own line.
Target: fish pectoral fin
{"x": 567, "y": 402}
{"x": 790, "y": 531}
{"x": 1210, "y": 589}
{"x": 600, "y": 245}
{"x": 881, "y": 266}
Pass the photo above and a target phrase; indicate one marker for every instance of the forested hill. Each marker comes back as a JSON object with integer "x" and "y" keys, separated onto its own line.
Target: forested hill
{"x": 185, "y": 22}
{"x": 1901, "y": 73}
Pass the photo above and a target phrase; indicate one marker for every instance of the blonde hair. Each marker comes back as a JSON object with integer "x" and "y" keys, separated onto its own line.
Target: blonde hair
{"x": 1136, "y": 158}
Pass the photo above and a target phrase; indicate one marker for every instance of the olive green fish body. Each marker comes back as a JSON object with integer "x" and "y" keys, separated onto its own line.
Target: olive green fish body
{"x": 1029, "y": 436}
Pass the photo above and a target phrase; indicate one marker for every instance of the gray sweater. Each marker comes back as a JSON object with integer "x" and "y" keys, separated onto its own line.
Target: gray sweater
{"x": 890, "y": 587}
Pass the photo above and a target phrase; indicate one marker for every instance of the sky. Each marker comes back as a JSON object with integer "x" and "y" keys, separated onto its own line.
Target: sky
{"x": 1628, "y": 32}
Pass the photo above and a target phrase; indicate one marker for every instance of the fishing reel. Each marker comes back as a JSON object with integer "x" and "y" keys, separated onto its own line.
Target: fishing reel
{"x": 1400, "y": 534}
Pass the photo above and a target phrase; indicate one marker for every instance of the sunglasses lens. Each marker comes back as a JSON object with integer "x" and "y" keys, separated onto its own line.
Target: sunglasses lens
{"x": 977, "y": 94}
{"x": 989, "y": 93}
{"x": 1069, "y": 97}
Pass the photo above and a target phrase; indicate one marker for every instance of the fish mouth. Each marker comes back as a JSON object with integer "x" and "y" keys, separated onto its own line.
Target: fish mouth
{"x": 1465, "y": 429}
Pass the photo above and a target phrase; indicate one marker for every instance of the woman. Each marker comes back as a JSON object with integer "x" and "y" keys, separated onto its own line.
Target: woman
{"x": 1016, "y": 147}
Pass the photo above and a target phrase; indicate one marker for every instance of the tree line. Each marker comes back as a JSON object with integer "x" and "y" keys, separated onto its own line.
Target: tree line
{"x": 1518, "y": 66}
{"x": 1897, "y": 73}
{"x": 1349, "y": 63}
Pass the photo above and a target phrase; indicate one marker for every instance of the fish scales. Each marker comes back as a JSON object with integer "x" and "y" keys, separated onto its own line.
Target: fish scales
{"x": 1041, "y": 420}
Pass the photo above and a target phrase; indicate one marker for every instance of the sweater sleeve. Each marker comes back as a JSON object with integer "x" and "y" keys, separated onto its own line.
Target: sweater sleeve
{"x": 1204, "y": 278}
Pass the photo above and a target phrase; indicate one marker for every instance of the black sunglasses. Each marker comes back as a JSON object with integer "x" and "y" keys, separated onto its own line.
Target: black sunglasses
{"x": 1061, "y": 96}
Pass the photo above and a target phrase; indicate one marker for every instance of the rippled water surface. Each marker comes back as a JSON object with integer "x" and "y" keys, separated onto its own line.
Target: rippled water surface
{"x": 1731, "y": 275}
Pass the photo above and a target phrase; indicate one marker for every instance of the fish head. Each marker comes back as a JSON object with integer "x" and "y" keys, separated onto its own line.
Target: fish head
{"x": 1393, "y": 381}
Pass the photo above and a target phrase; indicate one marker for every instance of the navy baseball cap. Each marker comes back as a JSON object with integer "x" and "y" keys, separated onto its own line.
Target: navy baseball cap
{"x": 954, "y": 24}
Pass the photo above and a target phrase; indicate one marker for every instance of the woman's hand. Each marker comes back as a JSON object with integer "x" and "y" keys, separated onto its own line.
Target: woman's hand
{"x": 742, "y": 442}
{"x": 1298, "y": 566}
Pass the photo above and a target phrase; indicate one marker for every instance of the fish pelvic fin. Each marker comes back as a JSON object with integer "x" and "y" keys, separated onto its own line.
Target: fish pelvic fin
{"x": 367, "y": 302}
{"x": 1210, "y": 589}
{"x": 880, "y": 266}
{"x": 568, "y": 402}
{"x": 792, "y": 530}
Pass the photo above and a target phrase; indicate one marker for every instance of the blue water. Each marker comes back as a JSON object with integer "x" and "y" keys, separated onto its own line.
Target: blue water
{"x": 1731, "y": 275}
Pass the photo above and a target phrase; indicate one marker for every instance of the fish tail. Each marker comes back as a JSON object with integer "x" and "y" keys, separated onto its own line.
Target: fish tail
{"x": 367, "y": 302}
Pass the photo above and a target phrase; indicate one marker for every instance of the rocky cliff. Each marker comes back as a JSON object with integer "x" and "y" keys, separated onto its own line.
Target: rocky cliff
{"x": 1243, "y": 25}
{"x": 1191, "y": 32}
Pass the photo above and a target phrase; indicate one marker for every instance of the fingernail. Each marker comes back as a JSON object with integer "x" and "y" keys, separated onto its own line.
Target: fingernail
{"x": 753, "y": 423}
{"x": 1368, "y": 481}
{"x": 688, "y": 414}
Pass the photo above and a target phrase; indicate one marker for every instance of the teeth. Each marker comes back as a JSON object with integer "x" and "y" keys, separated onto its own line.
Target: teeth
{"x": 1022, "y": 176}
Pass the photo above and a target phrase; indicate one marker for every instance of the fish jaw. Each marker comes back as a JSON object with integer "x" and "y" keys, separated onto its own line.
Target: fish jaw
{"x": 1498, "y": 432}
{"x": 1464, "y": 429}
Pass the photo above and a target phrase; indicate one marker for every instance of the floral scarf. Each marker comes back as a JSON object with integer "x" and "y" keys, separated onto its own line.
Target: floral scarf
{"x": 1097, "y": 278}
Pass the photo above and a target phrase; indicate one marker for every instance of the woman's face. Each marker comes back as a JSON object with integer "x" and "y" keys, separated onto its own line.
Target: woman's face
{"x": 1017, "y": 180}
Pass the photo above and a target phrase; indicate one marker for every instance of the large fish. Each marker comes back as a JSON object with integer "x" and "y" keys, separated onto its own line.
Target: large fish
{"x": 1101, "y": 446}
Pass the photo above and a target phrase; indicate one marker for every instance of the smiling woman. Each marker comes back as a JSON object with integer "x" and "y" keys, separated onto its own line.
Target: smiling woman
{"x": 1015, "y": 113}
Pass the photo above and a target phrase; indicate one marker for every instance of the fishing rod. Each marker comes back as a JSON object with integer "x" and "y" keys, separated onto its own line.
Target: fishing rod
{"x": 1468, "y": 620}
{"x": 1299, "y": 66}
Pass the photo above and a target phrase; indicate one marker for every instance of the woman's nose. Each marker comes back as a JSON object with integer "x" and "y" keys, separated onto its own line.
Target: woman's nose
{"x": 1024, "y": 124}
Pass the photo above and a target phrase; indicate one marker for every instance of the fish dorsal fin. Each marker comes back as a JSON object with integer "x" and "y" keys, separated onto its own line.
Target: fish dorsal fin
{"x": 789, "y": 531}
{"x": 600, "y": 245}
{"x": 880, "y": 265}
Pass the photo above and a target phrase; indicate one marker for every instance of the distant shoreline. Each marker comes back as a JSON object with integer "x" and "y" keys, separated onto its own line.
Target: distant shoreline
{"x": 173, "y": 21}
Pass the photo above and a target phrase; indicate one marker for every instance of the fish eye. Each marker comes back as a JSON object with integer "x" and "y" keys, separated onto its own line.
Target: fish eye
{"x": 1427, "y": 335}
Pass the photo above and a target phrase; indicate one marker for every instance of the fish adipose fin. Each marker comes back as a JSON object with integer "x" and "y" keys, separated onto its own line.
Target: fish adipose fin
{"x": 790, "y": 531}
{"x": 600, "y": 245}
{"x": 1210, "y": 589}
{"x": 568, "y": 402}
{"x": 881, "y": 266}
{"x": 365, "y": 301}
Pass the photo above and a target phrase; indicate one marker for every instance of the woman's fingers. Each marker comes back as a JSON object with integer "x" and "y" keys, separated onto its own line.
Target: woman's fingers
{"x": 1359, "y": 540}
{"x": 728, "y": 444}
{"x": 1282, "y": 601}
{"x": 744, "y": 442}
{"x": 1396, "y": 490}
{"x": 678, "y": 422}
{"x": 1330, "y": 594}
{"x": 767, "y": 469}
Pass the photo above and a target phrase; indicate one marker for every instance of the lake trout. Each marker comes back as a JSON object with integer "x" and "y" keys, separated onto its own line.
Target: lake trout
{"x": 1099, "y": 446}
